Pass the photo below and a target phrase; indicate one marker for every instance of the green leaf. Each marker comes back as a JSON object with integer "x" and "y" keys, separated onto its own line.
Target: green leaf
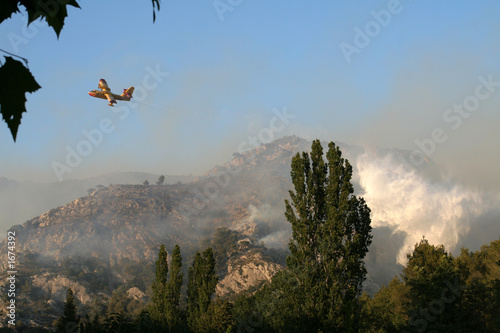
{"x": 15, "y": 81}
{"x": 54, "y": 12}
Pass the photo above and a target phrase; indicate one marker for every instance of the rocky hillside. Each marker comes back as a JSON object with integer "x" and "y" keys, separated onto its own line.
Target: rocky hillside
{"x": 112, "y": 223}
{"x": 20, "y": 201}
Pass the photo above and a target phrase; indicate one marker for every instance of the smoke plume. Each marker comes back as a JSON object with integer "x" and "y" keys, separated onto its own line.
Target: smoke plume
{"x": 272, "y": 228}
{"x": 401, "y": 198}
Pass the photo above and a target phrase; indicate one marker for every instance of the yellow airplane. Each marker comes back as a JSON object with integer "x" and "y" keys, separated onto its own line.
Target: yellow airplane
{"x": 105, "y": 93}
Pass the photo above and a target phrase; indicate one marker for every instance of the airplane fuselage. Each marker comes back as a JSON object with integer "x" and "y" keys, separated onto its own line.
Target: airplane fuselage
{"x": 101, "y": 94}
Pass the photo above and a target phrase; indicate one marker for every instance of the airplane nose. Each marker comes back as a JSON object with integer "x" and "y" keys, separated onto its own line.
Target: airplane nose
{"x": 91, "y": 93}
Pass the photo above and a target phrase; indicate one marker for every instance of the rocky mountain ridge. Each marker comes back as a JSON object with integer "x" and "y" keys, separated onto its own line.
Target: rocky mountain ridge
{"x": 22, "y": 200}
{"x": 114, "y": 222}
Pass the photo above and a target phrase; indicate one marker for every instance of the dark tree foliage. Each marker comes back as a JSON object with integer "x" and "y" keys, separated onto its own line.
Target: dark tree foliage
{"x": 435, "y": 289}
{"x": 118, "y": 323}
{"x": 158, "y": 309}
{"x": 173, "y": 290}
{"x": 224, "y": 243}
{"x": 218, "y": 318}
{"x": 145, "y": 323}
{"x": 16, "y": 79}
{"x": 388, "y": 310}
{"x": 202, "y": 281}
{"x": 439, "y": 293}
{"x": 160, "y": 180}
{"x": 117, "y": 303}
{"x": 70, "y": 320}
{"x": 165, "y": 309}
{"x": 481, "y": 294}
{"x": 121, "y": 303}
{"x": 93, "y": 325}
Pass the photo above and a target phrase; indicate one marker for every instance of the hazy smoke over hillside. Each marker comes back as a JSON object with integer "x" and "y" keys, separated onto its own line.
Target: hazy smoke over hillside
{"x": 271, "y": 225}
{"x": 402, "y": 199}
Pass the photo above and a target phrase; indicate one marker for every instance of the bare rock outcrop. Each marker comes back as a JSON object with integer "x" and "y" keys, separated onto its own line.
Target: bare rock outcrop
{"x": 57, "y": 286}
{"x": 247, "y": 272}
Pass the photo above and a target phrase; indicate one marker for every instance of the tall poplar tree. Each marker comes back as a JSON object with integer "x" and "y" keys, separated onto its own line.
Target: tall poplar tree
{"x": 173, "y": 290}
{"x": 331, "y": 234}
{"x": 159, "y": 287}
{"x": 202, "y": 281}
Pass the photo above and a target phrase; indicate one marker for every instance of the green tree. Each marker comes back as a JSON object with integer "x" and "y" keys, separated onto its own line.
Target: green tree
{"x": 160, "y": 180}
{"x": 481, "y": 294}
{"x": 218, "y": 318}
{"x": 94, "y": 325}
{"x": 331, "y": 234}
{"x": 202, "y": 281}
{"x": 278, "y": 307}
{"x": 243, "y": 308}
{"x": 118, "y": 301}
{"x": 224, "y": 243}
{"x": 121, "y": 303}
{"x": 173, "y": 290}
{"x": 118, "y": 323}
{"x": 435, "y": 289}
{"x": 387, "y": 311}
{"x": 145, "y": 323}
{"x": 69, "y": 321}
{"x": 158, "y": 310}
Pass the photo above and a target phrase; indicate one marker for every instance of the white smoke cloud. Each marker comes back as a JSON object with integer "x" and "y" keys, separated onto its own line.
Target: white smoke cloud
{"x": 277, "y": 240}
{"x": 264, "y": 213}
{"x": 271, "y": 225}
{"x": 401, "y": 198}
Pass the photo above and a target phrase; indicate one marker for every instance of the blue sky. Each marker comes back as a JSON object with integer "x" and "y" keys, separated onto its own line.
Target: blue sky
{"x": 226, "y": 76}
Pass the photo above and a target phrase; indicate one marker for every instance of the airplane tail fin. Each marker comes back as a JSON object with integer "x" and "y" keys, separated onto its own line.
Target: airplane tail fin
{"x": 128, "y": 92}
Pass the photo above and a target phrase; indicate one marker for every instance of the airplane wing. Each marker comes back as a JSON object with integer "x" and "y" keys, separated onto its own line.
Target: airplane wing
{"x": 103, "y": 85}
{"x": 110, "y": 99}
